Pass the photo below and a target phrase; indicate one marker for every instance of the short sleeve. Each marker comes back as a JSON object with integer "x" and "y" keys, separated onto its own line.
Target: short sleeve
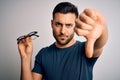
{"x": 92, "y": 60}
{"x": 38, "y": 63}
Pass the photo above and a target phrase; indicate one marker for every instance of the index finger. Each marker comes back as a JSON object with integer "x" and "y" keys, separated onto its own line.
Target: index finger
{"x": 91, "y": 13}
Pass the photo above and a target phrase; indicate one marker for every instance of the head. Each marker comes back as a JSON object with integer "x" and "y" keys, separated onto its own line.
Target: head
{"x": 63, "y": 23}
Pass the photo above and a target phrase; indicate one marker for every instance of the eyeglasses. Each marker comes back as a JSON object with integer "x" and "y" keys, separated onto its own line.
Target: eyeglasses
{"x": 31, "y": 34}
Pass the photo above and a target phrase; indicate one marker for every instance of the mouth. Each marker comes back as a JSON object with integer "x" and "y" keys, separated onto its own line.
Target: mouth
{"x": 62, "y": 36}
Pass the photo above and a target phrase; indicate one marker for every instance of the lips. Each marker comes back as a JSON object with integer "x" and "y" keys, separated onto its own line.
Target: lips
{"x": 62, "y": 36}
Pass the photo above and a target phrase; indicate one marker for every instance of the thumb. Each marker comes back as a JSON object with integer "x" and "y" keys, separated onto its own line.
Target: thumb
{"x": 89, "y": 47}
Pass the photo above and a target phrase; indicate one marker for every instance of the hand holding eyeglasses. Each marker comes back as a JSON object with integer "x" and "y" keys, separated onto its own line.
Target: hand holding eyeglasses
{"x": 25, "y": 45}
{"x": 31, "y": 34}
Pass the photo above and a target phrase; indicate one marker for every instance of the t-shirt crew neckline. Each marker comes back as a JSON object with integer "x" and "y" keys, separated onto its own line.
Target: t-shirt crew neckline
{"x": 66, "y": 47}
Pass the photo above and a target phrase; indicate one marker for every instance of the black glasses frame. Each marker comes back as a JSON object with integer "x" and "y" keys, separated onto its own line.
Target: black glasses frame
{"x": 33, "y": 33}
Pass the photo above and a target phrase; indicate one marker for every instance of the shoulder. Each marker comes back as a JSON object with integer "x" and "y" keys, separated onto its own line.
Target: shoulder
{"x": 46, "y": 49}
{"x": 80, "y": 45}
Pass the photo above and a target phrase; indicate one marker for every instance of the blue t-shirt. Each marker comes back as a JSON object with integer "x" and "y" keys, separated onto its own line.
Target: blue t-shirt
{"x": 64, "y": 63}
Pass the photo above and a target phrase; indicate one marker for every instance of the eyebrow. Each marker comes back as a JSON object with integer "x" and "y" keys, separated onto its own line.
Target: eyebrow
{"x": 59, "y": 23}
{"x": 65, "y": 24}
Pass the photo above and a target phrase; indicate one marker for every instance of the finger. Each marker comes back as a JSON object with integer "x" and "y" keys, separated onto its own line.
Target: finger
{"x": 89, "y": 47}
{"x": 83, "y": 25}
{"x": 81, "y": 32}
{"x": 86, "y": 19}
{"x": 28, "y": 41}
{"x": 21, "y": 46}
{"x": 91, "y": 13}
{"x": 22, "y": 41}
{"x": 100, "y": 18}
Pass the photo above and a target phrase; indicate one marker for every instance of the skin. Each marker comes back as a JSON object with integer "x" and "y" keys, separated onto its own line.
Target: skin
{"x": 91, "y": 24}
{"x": 63, "y": 26}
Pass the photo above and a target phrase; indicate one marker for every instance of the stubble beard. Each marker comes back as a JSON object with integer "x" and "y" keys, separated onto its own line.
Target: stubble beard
{"x": 63, "y": 42}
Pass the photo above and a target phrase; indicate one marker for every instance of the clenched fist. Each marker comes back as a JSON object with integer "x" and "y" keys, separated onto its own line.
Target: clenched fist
{"x": 92, "y": 25}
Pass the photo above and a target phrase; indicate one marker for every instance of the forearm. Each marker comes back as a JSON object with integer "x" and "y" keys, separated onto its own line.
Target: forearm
{"x": 26, "y": 73}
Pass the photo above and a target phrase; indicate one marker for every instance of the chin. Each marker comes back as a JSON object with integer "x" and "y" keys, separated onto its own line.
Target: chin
{"x": 63, "y": 42}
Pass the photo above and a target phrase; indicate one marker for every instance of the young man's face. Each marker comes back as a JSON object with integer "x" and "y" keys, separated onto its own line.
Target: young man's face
{"x": 63, "y": 27}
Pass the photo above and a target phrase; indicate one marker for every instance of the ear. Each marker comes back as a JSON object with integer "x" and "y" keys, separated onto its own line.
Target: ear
{"x": 52, "y": 23}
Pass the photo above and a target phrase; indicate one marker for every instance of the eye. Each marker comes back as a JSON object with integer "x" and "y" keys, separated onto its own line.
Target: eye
{"x": 58, "y": 24}
{"x": 69, "y": 25}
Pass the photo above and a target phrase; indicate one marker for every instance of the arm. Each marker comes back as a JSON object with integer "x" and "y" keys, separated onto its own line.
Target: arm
{"x": 25, "y": 49}
{"x": 92, "y": 25}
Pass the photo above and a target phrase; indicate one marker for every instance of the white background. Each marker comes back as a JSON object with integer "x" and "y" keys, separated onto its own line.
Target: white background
{"x": 19, "y": 17}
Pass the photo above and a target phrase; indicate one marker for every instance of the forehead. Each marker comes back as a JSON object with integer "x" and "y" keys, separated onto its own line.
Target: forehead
{"x": 68, "y": 17}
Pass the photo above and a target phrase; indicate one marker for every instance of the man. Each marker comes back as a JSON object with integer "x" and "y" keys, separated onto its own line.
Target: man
{"x": 67, "y": 59}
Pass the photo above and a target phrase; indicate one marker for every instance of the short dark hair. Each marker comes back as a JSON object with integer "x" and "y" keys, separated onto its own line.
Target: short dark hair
{"x": 65, "y": 7}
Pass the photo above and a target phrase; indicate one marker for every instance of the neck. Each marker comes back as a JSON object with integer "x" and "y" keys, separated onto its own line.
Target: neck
{"x": 66, "y": 45}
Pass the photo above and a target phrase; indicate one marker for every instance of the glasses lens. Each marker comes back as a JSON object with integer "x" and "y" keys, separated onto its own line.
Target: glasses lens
{"x": 33, "y": 37}
{"x": 32, "y": 33}
{"x": 20, "y": 38}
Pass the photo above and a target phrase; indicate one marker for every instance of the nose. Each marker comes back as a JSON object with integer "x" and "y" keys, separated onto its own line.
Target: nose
{"x": 63, "y": 30}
